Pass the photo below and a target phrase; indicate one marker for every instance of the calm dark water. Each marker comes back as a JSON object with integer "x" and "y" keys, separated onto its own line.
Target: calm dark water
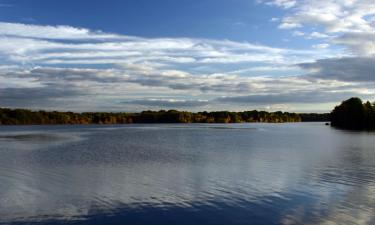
{"x": 302, "y": 173}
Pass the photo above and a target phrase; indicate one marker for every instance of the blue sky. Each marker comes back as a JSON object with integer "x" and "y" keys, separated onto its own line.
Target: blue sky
{"x": 238, "y": 20}
{"x": 290, "y": 55}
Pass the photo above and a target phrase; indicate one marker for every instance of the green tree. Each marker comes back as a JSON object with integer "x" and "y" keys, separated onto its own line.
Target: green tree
{"x": 350, "y": 114}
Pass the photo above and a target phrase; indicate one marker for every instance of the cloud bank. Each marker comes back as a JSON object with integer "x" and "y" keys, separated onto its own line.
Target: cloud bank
{"x": 69, "y": 68}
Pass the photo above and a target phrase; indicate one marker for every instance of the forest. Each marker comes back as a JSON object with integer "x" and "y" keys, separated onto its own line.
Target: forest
{"x": 28, "y": 117}
{"x": 353, "y": 114}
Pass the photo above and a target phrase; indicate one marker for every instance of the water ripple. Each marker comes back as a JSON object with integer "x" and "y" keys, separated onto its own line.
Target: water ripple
{"x": 186, "y": 174}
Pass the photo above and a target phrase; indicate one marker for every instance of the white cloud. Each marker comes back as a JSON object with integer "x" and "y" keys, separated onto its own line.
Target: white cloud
{"x": 321, "y": 46}
{"x": 55, "y": 64}
{"x": 333, "y": 15}
{"x": 167, "y": 103}
{"x": 139, "y": 84}
{"x": 281, "y": 3}
{"x": 289, "y": 23}
{"x": 48, "y": 45}
{"x": 318, "y": 35}
{"x": 347, "y": 23}
{"x": 298, "y": 33}
{"x": 359, "y": 43}
{"x": 51, "y": 32}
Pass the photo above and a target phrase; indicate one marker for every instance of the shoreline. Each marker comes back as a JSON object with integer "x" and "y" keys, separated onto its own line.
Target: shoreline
{"x": 103, "y": 124}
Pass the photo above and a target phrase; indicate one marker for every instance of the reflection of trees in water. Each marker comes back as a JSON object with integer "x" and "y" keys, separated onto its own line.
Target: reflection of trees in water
{"x": 32, "y": 137}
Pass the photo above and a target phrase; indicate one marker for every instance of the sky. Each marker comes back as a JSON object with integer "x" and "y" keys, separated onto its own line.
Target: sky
{"x": 195, "y": 55}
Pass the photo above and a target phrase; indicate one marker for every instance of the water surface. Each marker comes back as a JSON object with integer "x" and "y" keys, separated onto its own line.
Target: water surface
{"x": 301, "y": 173}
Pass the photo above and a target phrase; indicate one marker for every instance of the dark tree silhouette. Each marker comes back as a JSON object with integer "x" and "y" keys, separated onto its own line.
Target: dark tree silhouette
{"x": 353, "y": 114}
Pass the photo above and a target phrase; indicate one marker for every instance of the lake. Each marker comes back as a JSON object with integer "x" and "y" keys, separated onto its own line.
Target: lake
{"x": 292, "y": 173}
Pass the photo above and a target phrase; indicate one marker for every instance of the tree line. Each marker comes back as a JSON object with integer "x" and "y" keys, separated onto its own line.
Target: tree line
{"x": 28, "y": 117}
{"x": 354, "y": 114}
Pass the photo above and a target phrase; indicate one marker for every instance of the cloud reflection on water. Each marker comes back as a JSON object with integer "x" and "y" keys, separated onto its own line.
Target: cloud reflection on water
{"x": 185, "y": 176}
